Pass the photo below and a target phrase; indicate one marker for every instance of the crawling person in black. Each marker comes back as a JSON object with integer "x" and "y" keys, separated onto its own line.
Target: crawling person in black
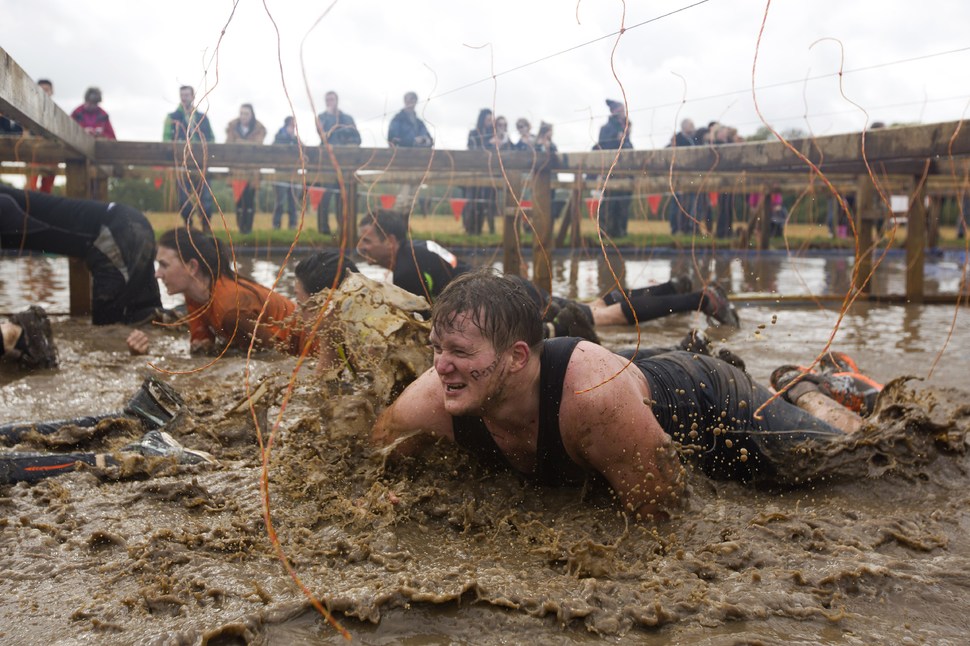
{"x": 559, "y": 409}
{"x": 115, "y": 241}
{"x": 423, "y": 268}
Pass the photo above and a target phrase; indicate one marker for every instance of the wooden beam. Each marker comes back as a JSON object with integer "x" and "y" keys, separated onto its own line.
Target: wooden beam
{"x": 899, "y": 150}
{"x": 317, "y": 159}
{"x": 23, "y": 101}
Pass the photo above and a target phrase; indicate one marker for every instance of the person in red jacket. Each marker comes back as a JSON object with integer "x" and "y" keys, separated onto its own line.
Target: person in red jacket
{"x": 92, "y": 116}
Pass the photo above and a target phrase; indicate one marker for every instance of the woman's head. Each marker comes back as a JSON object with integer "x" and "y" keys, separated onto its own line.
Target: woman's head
{"x": 321, "y": 271}
{"x": 247, "y": 114}
{"x": 484, "y": 120}
{"x": 187, "y": 257}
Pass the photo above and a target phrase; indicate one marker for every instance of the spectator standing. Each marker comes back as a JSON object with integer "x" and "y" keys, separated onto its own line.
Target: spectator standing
{"x": 481, "y": 203}
{"x": 683, "y": 208}
{"x": 543, "y": 140}
{"x": 615, "y": 135}
{"x": 502, "y": 141}
{"x": 407, "y": 130}
{"x": 687, "y": 134}
{"x": 526, "y": 139}
{"x": 336, "y": 128}
{"x": 246, "y": 129}
{"x": 778, "y": 217}
{"x": 286, "y": 192}
{"x": 187, "y": 123}
{"x": 92, "y": 117}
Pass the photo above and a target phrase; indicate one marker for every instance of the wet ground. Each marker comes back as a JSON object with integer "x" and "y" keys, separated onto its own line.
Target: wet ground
{"x": 440, "y": 551}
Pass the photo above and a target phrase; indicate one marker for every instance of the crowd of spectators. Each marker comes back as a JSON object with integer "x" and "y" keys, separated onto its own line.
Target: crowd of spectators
{"x": 687, "y": 212}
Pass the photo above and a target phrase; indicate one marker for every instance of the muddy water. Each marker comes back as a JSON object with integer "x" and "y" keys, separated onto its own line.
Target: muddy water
{"x": 441, "y": 551}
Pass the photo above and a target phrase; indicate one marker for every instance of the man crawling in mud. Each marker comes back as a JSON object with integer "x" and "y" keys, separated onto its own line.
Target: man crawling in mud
{"x": 560, "y": 409}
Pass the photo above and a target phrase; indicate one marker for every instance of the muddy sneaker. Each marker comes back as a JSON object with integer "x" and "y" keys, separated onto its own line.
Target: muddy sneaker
{"x": 682, "y": 284}
{"x": 716, "y": 305}
{"x": 159, "y": 444}
{"x": 572, "y": 321}
{"x": 832, "y": 362}
{"x": 155, "y": 404}
{"x": 697, "y": 342}
{"x": 853, "y": 390}
{"x": 783, "y": 376}
{"x": 36, "y": 342}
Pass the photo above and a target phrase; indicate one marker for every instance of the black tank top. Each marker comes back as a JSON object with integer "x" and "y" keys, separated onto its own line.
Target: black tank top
{"x": 553, "y": 465}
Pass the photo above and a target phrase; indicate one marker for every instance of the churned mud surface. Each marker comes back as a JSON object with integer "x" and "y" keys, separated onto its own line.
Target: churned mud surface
{"x": 439, "y": 550}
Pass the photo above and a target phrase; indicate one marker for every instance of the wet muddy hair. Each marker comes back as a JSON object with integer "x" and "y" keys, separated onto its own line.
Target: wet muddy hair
{"x": 319, "y": 271}
{"x": 191, "y": 244}
{"x": 502, "y": 309}
{"x": 386, "y": 223}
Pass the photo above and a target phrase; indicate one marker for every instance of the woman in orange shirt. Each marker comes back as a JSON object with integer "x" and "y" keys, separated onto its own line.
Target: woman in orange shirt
{"x": 224, "y": 308}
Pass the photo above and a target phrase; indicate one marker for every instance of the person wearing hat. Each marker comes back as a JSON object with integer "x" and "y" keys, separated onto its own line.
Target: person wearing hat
{"x": 615, "y": 135}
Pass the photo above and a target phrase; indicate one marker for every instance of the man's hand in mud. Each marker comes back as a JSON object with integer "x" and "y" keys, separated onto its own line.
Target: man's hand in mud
{"x": 137, "y": 342}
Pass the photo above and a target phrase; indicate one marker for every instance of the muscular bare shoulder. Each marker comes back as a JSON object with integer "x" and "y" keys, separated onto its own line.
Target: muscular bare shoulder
{"x": 607, "y": 427}
{"x": 419, "y": 411}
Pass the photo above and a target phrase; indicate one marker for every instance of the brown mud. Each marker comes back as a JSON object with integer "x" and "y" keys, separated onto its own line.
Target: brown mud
{"x": 440, "y": 550}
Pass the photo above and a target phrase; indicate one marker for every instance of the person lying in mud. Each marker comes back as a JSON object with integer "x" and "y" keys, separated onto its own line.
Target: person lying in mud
{"x": 115, "y": 241}
{"x": 153, "y": 406}
{"x": 558, "y": 410}
{"x": 224, "y": 308}
{"x": 425, "y": 269}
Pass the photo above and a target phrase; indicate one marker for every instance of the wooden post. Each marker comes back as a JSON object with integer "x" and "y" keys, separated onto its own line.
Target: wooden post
{"x": 99, "y": 184}
{"x": 542, "y": 243}
{"x": 576, "y": 211}
{"x": 79, "y": 279}
{"x": 347, "y": 223}
{"x": 865, "y": 206}
{"x": 916, "y": 243}
{"x": 759, "y": 224}
{"x": 511, "y": 257}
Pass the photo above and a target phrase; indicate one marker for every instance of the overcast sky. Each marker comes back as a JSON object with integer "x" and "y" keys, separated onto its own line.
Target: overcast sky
{"x": 552, "y": 60}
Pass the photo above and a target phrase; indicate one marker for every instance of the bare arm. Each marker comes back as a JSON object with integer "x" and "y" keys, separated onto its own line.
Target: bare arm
{"x": 416, "y": 417}
{"x": 608, "y": 427}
